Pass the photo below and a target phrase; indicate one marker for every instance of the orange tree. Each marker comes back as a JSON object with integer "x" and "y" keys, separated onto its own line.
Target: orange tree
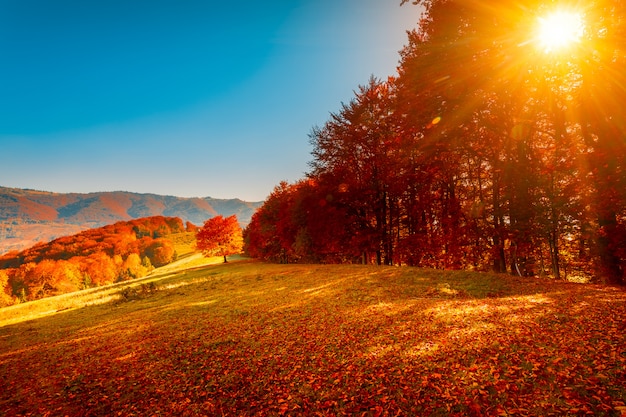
{"x": 220, "y": 236}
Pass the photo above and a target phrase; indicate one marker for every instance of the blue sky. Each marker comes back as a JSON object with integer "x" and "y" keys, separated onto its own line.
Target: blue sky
{"x": 185, "y": 98}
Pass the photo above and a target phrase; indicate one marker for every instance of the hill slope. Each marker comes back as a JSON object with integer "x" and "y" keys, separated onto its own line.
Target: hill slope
{"x": 29, "y": 216}
{"x": 256, "y": 339}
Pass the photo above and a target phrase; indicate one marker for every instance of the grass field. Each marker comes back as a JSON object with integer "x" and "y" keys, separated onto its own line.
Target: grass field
{"x": 248, "y": 338}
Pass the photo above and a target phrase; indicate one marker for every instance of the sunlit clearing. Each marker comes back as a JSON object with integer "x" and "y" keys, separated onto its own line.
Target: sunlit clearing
{"x": 560, "y": 30}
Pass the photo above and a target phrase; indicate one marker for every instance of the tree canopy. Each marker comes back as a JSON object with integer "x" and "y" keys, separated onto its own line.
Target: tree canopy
{"x": 220, "y": 236}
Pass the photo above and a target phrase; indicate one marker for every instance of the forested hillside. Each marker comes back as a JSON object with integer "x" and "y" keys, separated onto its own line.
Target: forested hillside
{"x": 487, "y": 151}
{"x": 118, "y": 252}
{"x": 28, "y": 216}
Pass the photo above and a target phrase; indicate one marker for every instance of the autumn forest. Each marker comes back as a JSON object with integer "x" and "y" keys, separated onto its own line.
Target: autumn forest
{"x": 496, "y": 147}
{"x": 119, "y": 252}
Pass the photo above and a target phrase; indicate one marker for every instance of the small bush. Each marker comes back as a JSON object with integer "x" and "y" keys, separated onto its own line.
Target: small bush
{"x": 129, "y": 293}
{"x": 134, "y": 293}
{"x": 148, "y": 288}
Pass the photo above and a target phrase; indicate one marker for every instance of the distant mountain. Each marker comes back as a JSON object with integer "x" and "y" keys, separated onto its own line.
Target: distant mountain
{"x": 29, "y": 216}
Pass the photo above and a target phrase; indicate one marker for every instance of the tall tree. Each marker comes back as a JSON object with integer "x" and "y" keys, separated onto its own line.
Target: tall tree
{"x": 356, "y": 154}
{"x": 603, "y": 122}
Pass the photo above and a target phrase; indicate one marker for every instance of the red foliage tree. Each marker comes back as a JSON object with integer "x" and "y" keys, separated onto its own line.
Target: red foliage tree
{"x": 161, "y": 252}
{"x": 220, "y": 236}
{"x": 99, "y": 269}
{"x": 5, "y": 289}
{"x": 356, "y": 158}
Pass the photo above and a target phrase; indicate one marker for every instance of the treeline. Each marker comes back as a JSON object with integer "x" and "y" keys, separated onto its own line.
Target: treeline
{"x": 484, "y": 152}
{"x": 118, "y": 252}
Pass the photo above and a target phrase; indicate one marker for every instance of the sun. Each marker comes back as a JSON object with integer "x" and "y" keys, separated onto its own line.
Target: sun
{"x": 559, "y": 30}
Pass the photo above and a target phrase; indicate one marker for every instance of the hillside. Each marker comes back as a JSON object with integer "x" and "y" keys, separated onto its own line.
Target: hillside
{"x": 29, "y": 216}
{"x": 118, "y": 252}
{"x": 249, "y": 338}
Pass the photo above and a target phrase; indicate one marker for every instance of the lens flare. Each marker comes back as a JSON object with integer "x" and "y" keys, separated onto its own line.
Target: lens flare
{"x": 560, "y": 30}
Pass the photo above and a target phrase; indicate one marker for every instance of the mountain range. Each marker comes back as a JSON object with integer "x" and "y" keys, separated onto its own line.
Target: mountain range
{"x": 29, "y": 216}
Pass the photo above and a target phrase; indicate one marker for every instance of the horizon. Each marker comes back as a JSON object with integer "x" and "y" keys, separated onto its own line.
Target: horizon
{"x": 128, "y": 192}
{"x": 189, "y": 100}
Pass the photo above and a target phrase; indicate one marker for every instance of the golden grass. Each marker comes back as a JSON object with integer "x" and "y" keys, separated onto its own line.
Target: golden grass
{"x": 103, "y": 294}
{"x": 248, "y": 338}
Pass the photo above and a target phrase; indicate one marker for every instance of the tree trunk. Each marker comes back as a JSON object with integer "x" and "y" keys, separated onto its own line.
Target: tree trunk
{"x": 609, "y": 261}
{"x": 554, "y": 254}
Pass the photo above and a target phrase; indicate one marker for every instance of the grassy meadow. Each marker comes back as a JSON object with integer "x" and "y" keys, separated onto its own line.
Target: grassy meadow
{"x": 246, "y": 338}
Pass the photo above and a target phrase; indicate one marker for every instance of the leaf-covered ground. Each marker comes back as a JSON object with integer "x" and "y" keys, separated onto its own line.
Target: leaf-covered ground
{"x": 257, "y": 339}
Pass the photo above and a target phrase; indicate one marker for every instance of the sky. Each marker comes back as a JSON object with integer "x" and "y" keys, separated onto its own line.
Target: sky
{"x": 187, "y": 98}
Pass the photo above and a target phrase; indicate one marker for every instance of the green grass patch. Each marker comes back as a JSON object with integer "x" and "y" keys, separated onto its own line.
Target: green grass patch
{"x": 184, "y": 243}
